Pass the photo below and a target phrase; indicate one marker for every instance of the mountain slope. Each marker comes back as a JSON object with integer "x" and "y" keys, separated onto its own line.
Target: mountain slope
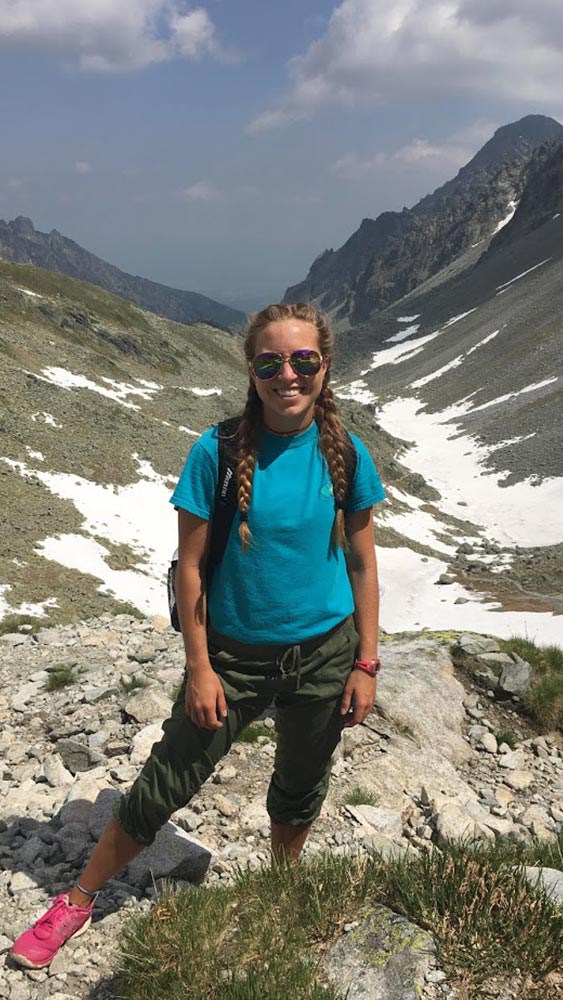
{"x": 388, "y": 257}
{"x": 21, "y": 243}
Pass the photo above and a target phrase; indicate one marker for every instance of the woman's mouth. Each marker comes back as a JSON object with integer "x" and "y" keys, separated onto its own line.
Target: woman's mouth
{"x": 288, "y": 393}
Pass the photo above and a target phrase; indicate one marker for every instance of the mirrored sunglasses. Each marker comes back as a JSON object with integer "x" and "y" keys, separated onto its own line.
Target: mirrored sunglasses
{"x": 269, "y": 364}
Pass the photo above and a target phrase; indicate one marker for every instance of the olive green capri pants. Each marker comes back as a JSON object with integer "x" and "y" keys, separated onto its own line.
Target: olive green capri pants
{"x": 305, "y": 681}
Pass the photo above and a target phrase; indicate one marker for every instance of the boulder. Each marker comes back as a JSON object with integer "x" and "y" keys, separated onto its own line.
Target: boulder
{"x": 173, "y": 855}
{"x": 384, "y": 958}
{"x": 149, "y": 705}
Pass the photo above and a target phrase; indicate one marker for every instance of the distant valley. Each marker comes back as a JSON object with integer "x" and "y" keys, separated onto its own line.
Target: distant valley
{"x": 21, "y": 243}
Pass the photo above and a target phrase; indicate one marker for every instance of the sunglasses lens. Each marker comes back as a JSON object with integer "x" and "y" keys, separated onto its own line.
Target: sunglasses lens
{"x": 267, "y": 365}
{"x": 305, "y": 362}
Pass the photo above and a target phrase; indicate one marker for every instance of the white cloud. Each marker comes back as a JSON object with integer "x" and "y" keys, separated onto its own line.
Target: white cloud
{"x": 83, "y": 167}
{"x": 105, "y": 36}
{"x": 15, "y": 183}
{"x": 376, "y": 53}
{"x": 193, "y": 33}
{"x": 201, "y": 191}
{"x": 452, "y": 153}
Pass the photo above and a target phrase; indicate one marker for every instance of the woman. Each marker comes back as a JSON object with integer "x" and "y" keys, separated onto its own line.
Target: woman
{"x": 291, "y": 613}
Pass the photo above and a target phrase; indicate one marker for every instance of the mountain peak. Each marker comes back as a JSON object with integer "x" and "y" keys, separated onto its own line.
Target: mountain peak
{"x": 22, "y": 226}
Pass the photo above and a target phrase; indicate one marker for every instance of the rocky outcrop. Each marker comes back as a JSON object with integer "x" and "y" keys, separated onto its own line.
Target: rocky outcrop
{"x": 21, "y": 243}
{"x": 430, "y": 764}
{"x": 390, "y": 256}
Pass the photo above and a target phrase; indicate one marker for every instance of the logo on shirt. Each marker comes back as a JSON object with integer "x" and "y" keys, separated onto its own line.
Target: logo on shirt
{"x": 327, "y": 491}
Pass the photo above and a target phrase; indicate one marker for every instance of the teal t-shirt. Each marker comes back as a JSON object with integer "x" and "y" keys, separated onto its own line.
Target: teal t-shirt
{"x": 291, "y": 584}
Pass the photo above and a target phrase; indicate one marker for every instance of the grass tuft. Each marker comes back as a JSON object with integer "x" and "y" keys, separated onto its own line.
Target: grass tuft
{"x": 253, "y": 732}
{"x": 262, "y": 937}
{"x": 133, "y": 683}
{"x": 544, "y": 702}
{"x": 360, "y": 796}
{"x": 61, "y": 676}
{"x": 505, "y": 736}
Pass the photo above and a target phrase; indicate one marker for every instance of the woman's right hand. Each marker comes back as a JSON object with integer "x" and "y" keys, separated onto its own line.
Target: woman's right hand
{"x": 206, "y": 704}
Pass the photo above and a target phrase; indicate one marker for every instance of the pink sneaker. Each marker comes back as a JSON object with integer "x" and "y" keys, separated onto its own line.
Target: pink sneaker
{"x": 38, "y": 946}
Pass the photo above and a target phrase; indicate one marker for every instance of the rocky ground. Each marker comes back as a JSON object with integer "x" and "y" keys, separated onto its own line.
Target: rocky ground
{"x": 440, "y": 757}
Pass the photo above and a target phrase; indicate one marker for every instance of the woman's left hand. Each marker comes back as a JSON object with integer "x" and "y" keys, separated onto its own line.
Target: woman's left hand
{"x": 358, "y": 698}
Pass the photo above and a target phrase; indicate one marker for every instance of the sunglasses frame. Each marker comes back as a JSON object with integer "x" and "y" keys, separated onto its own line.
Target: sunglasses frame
{"x": 283, "y": 358}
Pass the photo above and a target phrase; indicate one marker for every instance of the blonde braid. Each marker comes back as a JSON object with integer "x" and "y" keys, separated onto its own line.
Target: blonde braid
{"x": 249, "y": 431}
{"x": 333, "y": 445}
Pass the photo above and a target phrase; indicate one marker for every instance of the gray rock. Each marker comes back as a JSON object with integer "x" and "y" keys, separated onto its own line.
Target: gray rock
{"x": 516, "y": 678}
{"x": 385, "y": 958}
{"x": 173, "y": 855}
{"x": 54, "y": 772}
{"x": 144, "y": 654}
{"x": 549, "y": 879}
{"x": 488, "y": 742}
{"x": 475, "y": 645}
{"x": 14, "y": 639}
{"x": 102, "y": 810}
{"x": 143, "y": 742}
{"x": 519, "y": 780}
{"x": 74, "y": 841}
{"x": 385, "y": 821}
{"x": 149, "y": 705}
{"x": 77, "y": 756}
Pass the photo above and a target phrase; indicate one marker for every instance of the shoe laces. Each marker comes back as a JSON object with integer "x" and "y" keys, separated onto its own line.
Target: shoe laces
{"x": 54, "y": 921}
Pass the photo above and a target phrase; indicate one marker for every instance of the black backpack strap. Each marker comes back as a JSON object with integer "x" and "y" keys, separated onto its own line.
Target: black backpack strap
{"x": 226, "y": 492}
{"x": 351, "y": 463}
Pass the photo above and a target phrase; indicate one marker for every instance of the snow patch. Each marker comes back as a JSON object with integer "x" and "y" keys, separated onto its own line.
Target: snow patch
{"x": 403, "y": 334}
{"x": 512, "y": 395}
{"x": 512, "y": 206}
{"x": 502, "y": 288}
{"x": 358, "y": 391}
{"x": 27, "y": 291}
{"x": 206, "y": 392}
{"x": 454, "y": 463}
{"x": 455, "y": 363}
{"x": 407, "y": 319}
{"x": 35, "y": 454}
{"x": 46, "y": 418}
{"x": 65, "y": 379}
{"x": 413, "y": 601}
{"x": 124, "y": 515}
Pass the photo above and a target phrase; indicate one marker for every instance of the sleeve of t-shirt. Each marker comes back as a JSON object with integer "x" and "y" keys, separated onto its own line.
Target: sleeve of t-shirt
{"x": 367, "y": 488}
{"x": 196, "y": 487}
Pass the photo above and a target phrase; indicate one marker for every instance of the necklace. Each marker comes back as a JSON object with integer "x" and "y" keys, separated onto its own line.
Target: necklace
{"x": 285, "y": 434}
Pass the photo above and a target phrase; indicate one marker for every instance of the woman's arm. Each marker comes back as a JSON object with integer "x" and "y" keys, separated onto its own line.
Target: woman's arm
{"x": 205, "y": 698}
{"x": 359, "y": 694}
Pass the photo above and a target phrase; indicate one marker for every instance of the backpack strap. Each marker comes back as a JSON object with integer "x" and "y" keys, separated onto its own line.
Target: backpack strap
{"x": 351, "y": 463}
{"x": 226, "y": 492}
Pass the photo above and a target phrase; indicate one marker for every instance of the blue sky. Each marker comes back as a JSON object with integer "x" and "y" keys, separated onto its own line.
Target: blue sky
{"x": 220, "y": 147}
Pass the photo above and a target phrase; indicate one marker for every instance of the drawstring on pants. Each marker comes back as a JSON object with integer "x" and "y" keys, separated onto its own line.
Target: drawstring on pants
{"x": 290, "y": 663}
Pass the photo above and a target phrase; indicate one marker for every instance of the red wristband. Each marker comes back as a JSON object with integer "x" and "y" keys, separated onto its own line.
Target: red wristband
{"x": 371, "y": 667}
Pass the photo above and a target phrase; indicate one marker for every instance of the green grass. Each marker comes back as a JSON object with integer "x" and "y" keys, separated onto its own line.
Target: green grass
{"x": 61, "y": 676}
{"x": 253, "y": 732}
{"x": 13, "y": 623}
{"x": 262, "y": 937}
{"x": 133, "y": 683}
{"x": 544, "y": 702}
{"x": 359, "y": 796}
{"x": 504, "y": 736}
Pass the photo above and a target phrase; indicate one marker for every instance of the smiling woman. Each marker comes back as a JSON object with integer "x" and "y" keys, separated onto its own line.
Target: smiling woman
{"x": 290, "y": 613}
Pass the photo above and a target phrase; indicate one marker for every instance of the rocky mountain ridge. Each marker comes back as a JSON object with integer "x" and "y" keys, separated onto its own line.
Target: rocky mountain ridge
{"x": 81, "y": 705}
{"x": 386, "y": 258}
{"x": 21, "y": 243}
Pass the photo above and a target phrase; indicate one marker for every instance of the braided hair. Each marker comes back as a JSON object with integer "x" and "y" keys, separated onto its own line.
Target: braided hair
{"x": 332, "y": 435}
